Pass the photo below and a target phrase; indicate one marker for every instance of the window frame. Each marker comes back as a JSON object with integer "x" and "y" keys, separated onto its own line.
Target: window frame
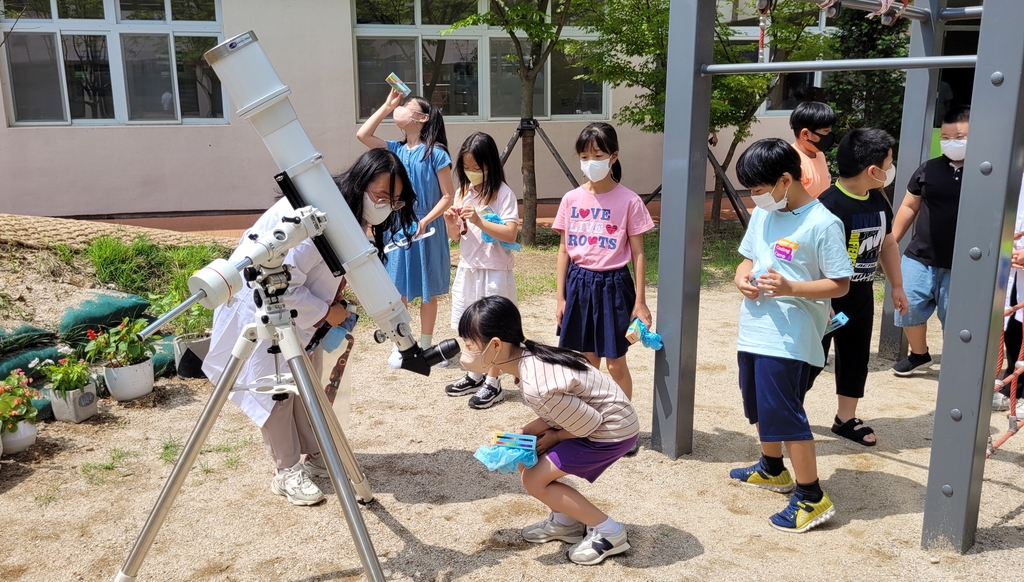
{"x": 113, "y": 30}
{"x": 482, "y": 34}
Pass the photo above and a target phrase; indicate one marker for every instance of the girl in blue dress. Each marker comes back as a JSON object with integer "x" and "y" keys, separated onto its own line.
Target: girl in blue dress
{"x": 423, "y": 269}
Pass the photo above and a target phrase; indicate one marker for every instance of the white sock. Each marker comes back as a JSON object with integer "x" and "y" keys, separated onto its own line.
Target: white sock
{"x": 425, "y": 340}
{"x": 562, "y": 519}
{"x": 608, "y": 527}
{"x": 475, "y": 376}
{"x": 493, "y": 381}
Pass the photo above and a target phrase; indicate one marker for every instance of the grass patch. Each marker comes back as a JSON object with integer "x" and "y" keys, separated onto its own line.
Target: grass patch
{"x": 170, "y": 449}
{"x": 132, "y": 268}
{"x": 228, "y": 447}
{"x": 232, "y": 461}
{"x": 65, "y": 253}
{"x": 48, "y": 496}
{"x": 720, "y": 254}
{"x": 96, "y": 472}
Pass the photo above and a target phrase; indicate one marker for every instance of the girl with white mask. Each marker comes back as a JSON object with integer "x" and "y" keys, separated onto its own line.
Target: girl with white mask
{"x": 602, "y": 225}
{"x": 378, "y": 192}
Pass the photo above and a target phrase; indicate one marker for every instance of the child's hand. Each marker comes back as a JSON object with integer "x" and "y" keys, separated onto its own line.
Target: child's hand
{"x": 536, "y": 427}
{"x": 1017, "y": 259}
{"x": 547, "y": 440}
{"x": 559, "y": 311}
{"x": 749, "y": 290}
{"x": 471, "y": 215}
{"x": 393, "y": 101}
{"x": 451, "y": 218}
{"x": 774, "y": 284}
{"x": 641, "y": 311}
{"x": 899, "y": 300}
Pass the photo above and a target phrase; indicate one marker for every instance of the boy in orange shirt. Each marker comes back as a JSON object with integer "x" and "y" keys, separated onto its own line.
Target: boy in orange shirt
{"x": 812, "y": 123}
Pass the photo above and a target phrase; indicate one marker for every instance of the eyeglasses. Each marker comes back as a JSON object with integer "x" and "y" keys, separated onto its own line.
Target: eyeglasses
{"x": 395, "y": 204}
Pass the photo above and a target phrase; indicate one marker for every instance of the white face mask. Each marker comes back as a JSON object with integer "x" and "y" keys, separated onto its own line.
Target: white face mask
{"x": 375, "y": 213}
{"x": 596, "y": 170}
{"x": 767, "y": 202}
{"x": 474, "y": 361}
{"x": 890, "y": 176}
{"x": 954, "y": 149}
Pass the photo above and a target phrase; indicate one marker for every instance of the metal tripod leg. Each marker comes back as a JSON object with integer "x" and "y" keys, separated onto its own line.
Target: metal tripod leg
{"x": 355, "y": 475}
{"x": 243, "y": 348}
{"x": 511, "y": 144}
{"x": 555, "y": 154}
{"x": 326, "y": 438}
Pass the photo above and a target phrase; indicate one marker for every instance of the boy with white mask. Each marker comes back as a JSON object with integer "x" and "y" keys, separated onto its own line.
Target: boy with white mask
{"x": 933, "y": 197}
{"x": 795, "y": 261}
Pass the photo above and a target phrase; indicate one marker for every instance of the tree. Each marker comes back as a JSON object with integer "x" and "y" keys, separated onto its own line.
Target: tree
{"x": 528, "y": 17}
{"x": 868, "y": 98}
{"x": 632, "y": 51}
{"x": 28, "y": 9}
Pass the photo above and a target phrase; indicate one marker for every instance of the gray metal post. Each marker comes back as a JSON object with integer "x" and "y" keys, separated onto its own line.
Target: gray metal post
{"x": 915, "y": 147}
{"x": 690, "y": 45}
{"x": 992, "y": 179}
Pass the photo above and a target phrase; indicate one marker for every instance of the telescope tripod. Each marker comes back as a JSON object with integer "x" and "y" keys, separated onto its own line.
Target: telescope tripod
{"x": 346, "y": 476}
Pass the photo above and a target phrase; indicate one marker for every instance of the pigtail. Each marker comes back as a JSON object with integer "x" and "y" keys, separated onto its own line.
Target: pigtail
{"x": 557, "y": 356}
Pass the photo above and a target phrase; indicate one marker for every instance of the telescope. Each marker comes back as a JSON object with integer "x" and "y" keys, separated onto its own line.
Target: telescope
{"x": 246, "y": 72}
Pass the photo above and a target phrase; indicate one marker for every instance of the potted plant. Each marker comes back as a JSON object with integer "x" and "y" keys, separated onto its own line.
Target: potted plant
{"x": 17, "y": 415}
{"x": 191, "y": 334}
{"x": 71, "y": 394}
{"x": 127, "y": 367}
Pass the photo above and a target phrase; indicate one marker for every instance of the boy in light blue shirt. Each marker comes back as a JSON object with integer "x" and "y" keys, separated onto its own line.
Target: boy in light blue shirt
{"x": 795, "y": 261}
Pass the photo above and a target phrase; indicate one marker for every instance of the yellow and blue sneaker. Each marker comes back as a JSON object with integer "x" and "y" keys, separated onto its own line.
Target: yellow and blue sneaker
{"x": 757, "y": 476}
{"x": 800, "y": 516}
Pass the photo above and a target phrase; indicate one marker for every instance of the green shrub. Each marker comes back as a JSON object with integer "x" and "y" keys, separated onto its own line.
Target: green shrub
{"x": 132, "y": 268}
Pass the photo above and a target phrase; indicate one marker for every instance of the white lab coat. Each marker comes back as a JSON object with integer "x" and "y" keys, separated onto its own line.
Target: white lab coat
{"x": 1015, "y": 274}
{"x": 312, "y": 290}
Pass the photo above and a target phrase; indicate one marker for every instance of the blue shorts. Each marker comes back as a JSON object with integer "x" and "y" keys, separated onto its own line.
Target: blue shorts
{"x": 773, "y": 391}
{"x": 927, "y": 290}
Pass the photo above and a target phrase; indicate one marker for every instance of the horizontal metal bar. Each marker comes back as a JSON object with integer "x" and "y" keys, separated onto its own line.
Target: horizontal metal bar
{"x": 955, "y": 62}
{"x": 912, "y": 12}
{"x": 178, "y": 310}
{"x": 967, "y": 13}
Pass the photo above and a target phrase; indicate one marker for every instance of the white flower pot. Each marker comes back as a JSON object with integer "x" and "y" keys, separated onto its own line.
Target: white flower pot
{"x": 77, "y": 406}
{"x": 19, "y": 440}
{"x": 189, "y": 353}
{"x": 129, "y": 382}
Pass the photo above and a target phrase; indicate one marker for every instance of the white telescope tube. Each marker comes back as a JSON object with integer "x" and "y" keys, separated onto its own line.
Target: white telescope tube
{"x": 252, "y": 83}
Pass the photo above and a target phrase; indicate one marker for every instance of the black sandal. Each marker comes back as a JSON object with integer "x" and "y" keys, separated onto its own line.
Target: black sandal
{"x": 855, "y": 430}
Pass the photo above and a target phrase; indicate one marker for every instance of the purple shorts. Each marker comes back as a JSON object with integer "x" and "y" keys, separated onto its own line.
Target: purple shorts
{"x": 586, "y": 458}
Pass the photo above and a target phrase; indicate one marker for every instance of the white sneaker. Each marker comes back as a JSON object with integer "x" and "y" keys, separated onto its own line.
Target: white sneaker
{"x": 295, "y": 485}
{"x": 595, "y": 547}
{"x": 315, "y": 466}
{"x": 549, "y": 530}
{"x": 395, "y": 359}
{"x": 1001, "y": 402}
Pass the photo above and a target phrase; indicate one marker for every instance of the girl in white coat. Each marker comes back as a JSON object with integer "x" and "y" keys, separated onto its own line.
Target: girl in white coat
{"x": 379, "y": 193}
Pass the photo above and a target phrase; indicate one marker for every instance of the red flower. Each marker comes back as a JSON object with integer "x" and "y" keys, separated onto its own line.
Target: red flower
{"x": 17, "y": 401}
{"x": 122, "y": 324}
{"x": 91, "y": 334}
{"x": 62, "y": 361}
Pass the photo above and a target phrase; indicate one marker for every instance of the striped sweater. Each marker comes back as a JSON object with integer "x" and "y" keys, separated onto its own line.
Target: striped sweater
{"x": 587, "y": 404}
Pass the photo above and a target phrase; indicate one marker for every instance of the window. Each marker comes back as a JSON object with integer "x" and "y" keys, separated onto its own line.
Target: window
{"x": 112, "y": 61}
{"x": 472, "y": 72}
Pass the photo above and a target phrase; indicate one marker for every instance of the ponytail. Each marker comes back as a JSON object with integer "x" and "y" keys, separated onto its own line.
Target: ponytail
{"x": 557, "y": 356}
{"x": 498, "y": 317}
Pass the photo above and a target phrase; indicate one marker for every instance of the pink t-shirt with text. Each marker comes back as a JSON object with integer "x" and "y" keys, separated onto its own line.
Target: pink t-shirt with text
{"x": 473, "y": 251}
{"x": 597, "y": 227}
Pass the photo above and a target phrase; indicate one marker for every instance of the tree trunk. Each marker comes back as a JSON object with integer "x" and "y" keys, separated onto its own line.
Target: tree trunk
{"x": 716, "y": 203}
{"x": 529, "y": 169}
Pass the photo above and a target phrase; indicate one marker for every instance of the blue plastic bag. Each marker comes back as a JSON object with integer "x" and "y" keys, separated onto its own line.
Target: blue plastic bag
{"x": 647, "y": 337}
{"x": 505, "y": 459}
{"x": 492, "y": 217}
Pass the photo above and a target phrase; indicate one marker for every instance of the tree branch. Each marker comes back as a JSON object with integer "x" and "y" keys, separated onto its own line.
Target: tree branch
{"x": 8, "y": 33}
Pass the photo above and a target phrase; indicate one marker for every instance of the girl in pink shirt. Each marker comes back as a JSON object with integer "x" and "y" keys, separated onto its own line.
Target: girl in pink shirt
{"x": 482, "y": 201}
{"x": 602, "y": 224}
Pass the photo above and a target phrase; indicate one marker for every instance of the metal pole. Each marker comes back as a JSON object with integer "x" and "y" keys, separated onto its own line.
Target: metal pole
{"x": 307, "y": 388}
{"x": 955, "y": 62}
{"x": 991, "y": 184}
{"x": 243, "y": 348}
{"x": 968, "y": 13}
{"x": 915, "y": 147}
{"x": 912, "y": 12}
{"x": 684, "y": 167}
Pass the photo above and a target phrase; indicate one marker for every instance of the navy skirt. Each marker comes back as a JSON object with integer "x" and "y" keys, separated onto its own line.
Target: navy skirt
{"x": 598, "y": 311}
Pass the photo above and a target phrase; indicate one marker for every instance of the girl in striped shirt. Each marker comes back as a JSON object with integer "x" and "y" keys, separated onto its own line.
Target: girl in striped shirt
{"x": 585, "y": 423}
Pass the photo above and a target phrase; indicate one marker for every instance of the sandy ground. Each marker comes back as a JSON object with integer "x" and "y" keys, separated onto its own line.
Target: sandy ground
{"x": 75, "y": 502}
{"x": 439, "y": 515}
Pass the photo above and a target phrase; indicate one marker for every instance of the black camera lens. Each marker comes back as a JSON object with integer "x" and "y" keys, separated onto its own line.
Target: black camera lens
{"x": 444, "y": 350}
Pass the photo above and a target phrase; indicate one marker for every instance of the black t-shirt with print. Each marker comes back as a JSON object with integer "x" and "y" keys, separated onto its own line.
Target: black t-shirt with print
{"x": 938, "y": 184}
{"x": 866, "y": 222}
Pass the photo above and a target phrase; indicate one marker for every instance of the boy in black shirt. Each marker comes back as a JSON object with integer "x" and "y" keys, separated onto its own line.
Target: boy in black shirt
{"x": 933, "y": 199}
{"x": 865, "y": 162}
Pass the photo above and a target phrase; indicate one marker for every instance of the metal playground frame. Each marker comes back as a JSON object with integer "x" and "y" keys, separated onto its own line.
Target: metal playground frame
{"x": 991, "y": 183}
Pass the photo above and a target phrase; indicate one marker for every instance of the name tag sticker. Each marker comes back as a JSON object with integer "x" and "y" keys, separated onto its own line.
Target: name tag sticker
{"x": 784, "y": 249}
